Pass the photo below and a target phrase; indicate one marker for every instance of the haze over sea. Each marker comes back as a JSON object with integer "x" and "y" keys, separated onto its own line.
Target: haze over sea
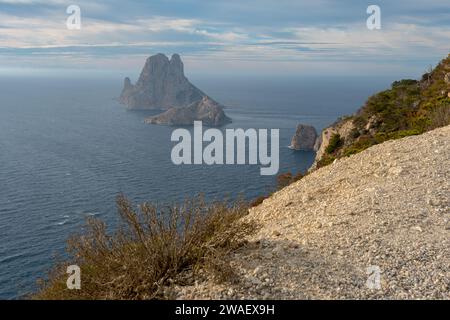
{"x": 67, "y": 148}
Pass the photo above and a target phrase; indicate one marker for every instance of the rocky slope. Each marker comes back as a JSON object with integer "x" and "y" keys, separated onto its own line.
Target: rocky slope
{"x": 206, "y": 110}
{"x": 409, "y": 107}
{"x": 387, "y": 206}
{"x": 161, "y": 85}
{"x": 304, "y": 138}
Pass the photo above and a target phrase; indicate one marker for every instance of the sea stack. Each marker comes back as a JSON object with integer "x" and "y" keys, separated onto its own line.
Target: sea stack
{"x": 304, "y": 138}
{"x": 161, "y": 85}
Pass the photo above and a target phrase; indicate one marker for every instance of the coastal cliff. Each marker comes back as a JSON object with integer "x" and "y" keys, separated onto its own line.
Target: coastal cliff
{"x": 409, "y": 107}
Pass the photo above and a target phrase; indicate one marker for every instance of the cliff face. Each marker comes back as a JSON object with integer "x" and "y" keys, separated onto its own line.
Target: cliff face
{"x": 161, "y": 85}
{"x": 206, "y": 110}
{"x": 409, "y": 107}
{"x": 342, "y": 128}
{"x": 304, "y": 138}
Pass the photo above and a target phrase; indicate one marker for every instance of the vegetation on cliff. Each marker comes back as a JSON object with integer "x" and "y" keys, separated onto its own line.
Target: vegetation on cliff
{"x": 409, "y": 107}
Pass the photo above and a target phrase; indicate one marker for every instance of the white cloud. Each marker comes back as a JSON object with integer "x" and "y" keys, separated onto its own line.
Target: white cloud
{"x": 294, "y": 47}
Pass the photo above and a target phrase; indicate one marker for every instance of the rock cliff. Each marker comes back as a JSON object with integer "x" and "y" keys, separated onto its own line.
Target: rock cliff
{"x": 409, "y": 107}
{"x": 161, "y": 85}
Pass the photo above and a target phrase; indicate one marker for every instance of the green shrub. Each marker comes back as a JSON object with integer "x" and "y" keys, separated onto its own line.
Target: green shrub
{"x": 325, "y": 160}
{"x": 404, "y": 82}
{"x": 354, "y": 134}
{"x": 362, "y": 143}
{"x": 334, "y": 144}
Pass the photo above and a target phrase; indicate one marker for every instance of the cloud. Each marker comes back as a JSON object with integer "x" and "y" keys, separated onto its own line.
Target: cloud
{"x": 239, "y": 33}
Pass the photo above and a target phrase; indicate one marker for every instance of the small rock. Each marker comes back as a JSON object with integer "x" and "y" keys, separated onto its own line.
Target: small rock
{"x": 395, "y": 171}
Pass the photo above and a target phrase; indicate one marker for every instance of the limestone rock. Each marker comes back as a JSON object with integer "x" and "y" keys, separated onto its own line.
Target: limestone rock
{"x": 206, "y": 110}
{"x": 304, "y": 138}
{"x": 343, "y": 127}
{"x": 161, "y": 85}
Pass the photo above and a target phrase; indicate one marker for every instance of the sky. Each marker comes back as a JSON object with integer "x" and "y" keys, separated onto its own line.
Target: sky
{"x": 229, "y": 37}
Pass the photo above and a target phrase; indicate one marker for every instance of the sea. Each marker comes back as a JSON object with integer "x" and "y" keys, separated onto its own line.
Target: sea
{"x": 68, "y": 148}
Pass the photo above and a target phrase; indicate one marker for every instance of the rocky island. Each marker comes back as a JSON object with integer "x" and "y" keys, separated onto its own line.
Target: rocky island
{"x": 162, "y": 85}
{"x": 304, "y": 138}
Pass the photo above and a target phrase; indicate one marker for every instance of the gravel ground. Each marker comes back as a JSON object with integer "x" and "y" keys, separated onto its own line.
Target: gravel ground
{"x": 386, "y": 209}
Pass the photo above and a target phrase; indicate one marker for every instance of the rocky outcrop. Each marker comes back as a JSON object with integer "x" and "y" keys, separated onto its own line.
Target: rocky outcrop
{"x": 206, "y": 110}
{"x": 161, "y": 85}
{"x": 343, "y": 128}
{"x": 304, "y": 138}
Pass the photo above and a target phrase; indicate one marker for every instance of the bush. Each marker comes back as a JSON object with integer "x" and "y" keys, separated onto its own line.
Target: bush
{"x": 405, "y": 82}
{"x": 334, "y": 144}
{"x": 258, "y": 201}
{"x": 285, "y": 179}
{"x": 325, "y": 160}
{"x": 362, "y": 143}
{"x": 153, "y": 250}
{"x": 354, "y": 134}
{"x": 440, "y": 116}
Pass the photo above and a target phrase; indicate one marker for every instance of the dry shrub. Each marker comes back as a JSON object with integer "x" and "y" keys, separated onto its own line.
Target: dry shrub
{"x": 256, "y": 202}
{"x": 285, "y": 179}
{"x": 152, "y": 250}
{"x": 440, "y": 117}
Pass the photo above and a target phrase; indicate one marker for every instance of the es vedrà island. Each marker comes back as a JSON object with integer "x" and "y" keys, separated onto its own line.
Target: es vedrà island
{"x": 162, "y": 85}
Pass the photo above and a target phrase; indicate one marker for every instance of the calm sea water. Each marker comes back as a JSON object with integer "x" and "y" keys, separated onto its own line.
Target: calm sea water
{"x": 67, "y": 148}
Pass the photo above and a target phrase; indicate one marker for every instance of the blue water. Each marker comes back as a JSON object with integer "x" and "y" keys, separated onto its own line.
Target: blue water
{"x": 67, "y": 149}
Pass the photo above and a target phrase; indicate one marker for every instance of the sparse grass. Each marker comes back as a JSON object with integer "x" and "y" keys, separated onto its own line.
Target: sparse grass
{"x": 285, "y": 179}
{"x": 326, "y": 160}
{"x": 152, "y": 251}
{"x": 256, "y": 202}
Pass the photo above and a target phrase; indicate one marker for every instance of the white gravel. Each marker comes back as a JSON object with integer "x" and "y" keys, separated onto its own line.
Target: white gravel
{"x": 387, "y": 207}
